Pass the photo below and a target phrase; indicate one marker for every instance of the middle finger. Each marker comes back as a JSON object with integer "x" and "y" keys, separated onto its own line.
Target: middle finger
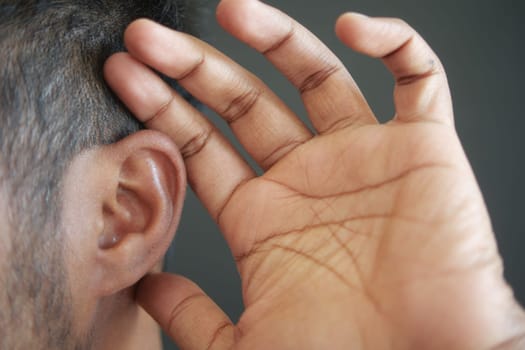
{"x": 330, "y": 95}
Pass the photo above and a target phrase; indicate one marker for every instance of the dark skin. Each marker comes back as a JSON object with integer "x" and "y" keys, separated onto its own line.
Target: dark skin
{"x": 362, "y": 236}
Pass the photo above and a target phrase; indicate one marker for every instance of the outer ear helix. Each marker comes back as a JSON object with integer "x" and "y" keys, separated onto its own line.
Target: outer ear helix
{"x": 137, "y": 209}
{"x": 124, "y": 202}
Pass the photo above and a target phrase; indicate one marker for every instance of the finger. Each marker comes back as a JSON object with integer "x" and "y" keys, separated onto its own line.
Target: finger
{"x": 331, "y": 97}
{"x": 185, "y": 312}
{"x": 215, "y": 169}
{"x": 264, "y": 125}
{"x": 421, "y": 91}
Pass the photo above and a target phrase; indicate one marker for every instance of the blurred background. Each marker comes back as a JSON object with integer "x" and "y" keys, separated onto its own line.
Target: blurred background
{"x": 481, "y": 45}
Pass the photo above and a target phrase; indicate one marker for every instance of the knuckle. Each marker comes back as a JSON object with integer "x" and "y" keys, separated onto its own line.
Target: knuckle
{"x": 196, "y": 143}
{"x": 282, "y": 41}
{"x": 241, "y": 105}
{"x": 161, "y": 111}
{"x": 410, "y": 79}
{"x": 279, "y": 152}
{"x": 342, "y": 123}
{"x": 193, "y": 68}
{"x": 317, "y": 78}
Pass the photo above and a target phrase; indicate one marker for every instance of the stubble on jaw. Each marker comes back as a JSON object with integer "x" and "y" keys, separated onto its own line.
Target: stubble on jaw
{"x": 5, "y": 243}
{"x": 5, "y": 247}
{"x": 35, "y": 303}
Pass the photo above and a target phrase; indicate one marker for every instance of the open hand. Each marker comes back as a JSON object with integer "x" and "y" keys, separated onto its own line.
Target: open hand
{"x": 358, "y": 236}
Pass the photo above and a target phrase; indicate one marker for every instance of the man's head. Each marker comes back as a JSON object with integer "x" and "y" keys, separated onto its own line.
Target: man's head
{"x": 88, "y": 202}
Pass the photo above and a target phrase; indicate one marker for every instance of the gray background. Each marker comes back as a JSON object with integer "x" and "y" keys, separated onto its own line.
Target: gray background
{"x": 481, "y": 45}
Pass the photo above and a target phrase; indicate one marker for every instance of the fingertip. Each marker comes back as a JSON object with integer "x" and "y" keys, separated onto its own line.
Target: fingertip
{"x": 352, "y": 16}
{"x": 372, "y": 36}
{"x": 112, "y": 69}
{"x": 164, "y": 49}
{"x": 136, "y": 85}
{"x": 224, "y": 7}
{"x": 115, "y": 60}
{"x": 136, "y": 28}
{"x": 231, "y": 8}
{"x": 253, "y": 22}
{"x": 110, "y": 63}
{"x": 351, "y": 28}
{"x": 230, "y": 13}
{"x": 144, "y": 36}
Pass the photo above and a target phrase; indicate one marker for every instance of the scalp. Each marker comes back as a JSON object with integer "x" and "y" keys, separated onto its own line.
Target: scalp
{"x": 54, "y": 101}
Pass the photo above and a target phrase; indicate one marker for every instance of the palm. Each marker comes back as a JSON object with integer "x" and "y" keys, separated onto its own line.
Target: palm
{"x": 367, "y": 212}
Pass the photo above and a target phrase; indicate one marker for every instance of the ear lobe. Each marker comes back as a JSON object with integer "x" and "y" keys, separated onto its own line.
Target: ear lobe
{"x": 140, "y": 209}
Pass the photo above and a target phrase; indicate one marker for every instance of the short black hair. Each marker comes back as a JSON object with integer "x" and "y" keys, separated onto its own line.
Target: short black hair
{"x": 53, "y": 105}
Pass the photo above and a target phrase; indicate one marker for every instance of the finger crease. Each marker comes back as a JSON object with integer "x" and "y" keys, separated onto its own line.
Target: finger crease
{"x": 277, "y": 153}
{"x": 413, "y": 78}
{"x": 161, "y": 110}
{"x": 196, "y": 143}
{"x": 227, "y": 201}
{"x": 241, "y": 105}
{"x": 220, "y": 329}
{"x": 342, "y": 123}
{"x": 281, "y": 42}
{"x": 399, "y": 48}
{"x": 192, "y": 70}
{"x": 319, "y": 77}
{"x": 180, "y": 307}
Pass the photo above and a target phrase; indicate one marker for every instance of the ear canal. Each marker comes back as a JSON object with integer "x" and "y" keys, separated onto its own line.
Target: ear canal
{"x": 126, "y": 213}
{"x": 109, "y": 240}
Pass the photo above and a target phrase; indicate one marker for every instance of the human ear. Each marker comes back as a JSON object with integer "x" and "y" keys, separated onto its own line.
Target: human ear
{"x": 122, "y": 205}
